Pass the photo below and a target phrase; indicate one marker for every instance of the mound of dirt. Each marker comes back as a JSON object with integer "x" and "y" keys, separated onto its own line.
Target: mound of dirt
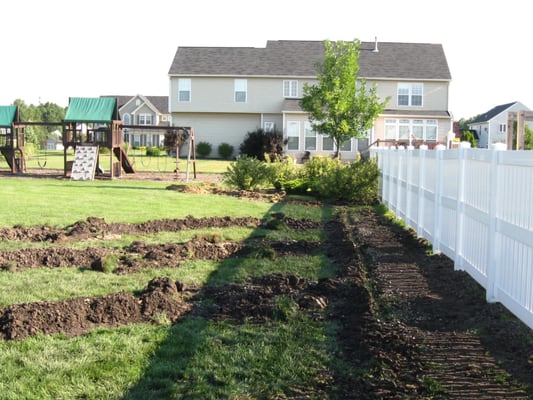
{"x": 80, "y": 315}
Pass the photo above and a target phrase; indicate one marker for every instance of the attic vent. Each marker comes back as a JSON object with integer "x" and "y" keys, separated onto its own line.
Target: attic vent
{"x": 375, "y": 45}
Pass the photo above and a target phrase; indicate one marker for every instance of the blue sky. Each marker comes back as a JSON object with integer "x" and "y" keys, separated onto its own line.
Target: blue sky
{"x": 53, "y": 50}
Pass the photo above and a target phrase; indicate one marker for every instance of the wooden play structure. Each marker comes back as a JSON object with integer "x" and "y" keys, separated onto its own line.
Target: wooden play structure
{"x": 12, "y": 138}
{"x": 90, "y": 124}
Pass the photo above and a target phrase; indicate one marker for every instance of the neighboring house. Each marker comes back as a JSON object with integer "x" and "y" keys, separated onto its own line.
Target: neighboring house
{"x": 55, "y": 141}
{"x": 225, "y": 92}
{"x": 143, "y": 110}
{"x": 491, "y": 127}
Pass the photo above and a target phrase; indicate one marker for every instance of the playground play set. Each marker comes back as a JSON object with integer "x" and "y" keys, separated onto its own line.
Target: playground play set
{"x": 89, "y": 124}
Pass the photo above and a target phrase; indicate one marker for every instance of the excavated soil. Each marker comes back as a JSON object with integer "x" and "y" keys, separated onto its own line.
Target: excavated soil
{"x": 413, "y": 326}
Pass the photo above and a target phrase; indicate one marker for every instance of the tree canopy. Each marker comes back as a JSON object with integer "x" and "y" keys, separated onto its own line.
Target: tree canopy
{"x": 47, "y": 112}
{"x": 340, "y": 105}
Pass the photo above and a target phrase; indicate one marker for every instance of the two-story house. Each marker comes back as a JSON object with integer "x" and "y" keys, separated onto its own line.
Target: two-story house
{"x": 491, "y": 126}
{"x": 225, "y": 92}
{"x": 143, "y": 111}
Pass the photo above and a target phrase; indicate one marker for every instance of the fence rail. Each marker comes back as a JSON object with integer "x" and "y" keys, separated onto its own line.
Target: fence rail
{"x": 475, "y": 206}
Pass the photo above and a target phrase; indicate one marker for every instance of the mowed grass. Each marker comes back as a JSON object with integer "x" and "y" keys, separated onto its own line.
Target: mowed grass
{"x": 194, "y": 359}
{"x": 58, "y": 202}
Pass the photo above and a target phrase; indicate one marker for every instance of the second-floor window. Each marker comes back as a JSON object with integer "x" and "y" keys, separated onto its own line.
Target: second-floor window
{"x": 184, "y": 90}
{"x": 410, "y": 94}
{"x": 290, "y": 88}
{"x": 241, "y": 89}
{"x": 144, "y": 119}
{"x": 503, "y": 128}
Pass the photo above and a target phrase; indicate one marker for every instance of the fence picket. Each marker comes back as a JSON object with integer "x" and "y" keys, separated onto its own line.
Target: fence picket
{"x": 473, "y": 205}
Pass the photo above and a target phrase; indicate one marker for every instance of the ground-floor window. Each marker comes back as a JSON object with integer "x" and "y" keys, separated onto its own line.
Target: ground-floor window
{"x": 414, "y": 129}
{"x": 327, "y": 143}
{"x": 310, "y": 140}
{"x": 310, "y": 136}
{"x": 347, "y": 146}
{"x": 293, "y": 135}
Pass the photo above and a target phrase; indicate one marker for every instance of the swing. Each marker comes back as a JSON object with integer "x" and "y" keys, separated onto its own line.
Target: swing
{"x": 42, "y": 165}
{"x": 144, "y": 163}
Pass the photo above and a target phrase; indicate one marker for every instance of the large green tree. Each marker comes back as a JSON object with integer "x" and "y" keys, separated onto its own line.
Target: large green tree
{"x": 340, "y": 105}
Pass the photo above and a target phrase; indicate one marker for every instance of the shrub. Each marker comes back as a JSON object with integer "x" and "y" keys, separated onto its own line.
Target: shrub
{"x": 468, "y": 136}
{"x": 203, "y": 149}
{"x": 225, "y": 150}
{"x": 175, "y": 139}
{"x": 153, "y": 151}
{"x": 355, "y": 182}
{"x": 281, "y": 171}
{"x": 247, "y": 173}
{"x": 259, "y": 142}
{"x": 361, "y": 182}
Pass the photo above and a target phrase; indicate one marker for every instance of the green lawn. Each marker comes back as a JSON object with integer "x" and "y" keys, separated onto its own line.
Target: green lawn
{"x": 195, "y": 359}
{"x": 28, "y": 201}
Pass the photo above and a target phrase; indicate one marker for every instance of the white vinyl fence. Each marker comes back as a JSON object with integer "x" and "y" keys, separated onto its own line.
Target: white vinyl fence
{"x": 473, "y": 205}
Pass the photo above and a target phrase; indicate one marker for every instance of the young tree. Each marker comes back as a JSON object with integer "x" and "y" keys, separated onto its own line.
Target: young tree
{"x": 341, "y": 106}
{"x": 468, "y": 136}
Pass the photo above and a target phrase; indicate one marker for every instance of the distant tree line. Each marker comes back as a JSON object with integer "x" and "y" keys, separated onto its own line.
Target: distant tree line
{"x": 46, "y": 112}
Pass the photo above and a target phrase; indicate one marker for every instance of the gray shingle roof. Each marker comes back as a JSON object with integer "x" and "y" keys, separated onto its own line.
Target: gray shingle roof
{"x": 485, "y": 117}
{"x": 299, "y": 58}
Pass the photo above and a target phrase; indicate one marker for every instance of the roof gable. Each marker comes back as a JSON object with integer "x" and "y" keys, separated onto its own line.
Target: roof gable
{"x": 299, "y": 58}
{"x": 485, "y": 117}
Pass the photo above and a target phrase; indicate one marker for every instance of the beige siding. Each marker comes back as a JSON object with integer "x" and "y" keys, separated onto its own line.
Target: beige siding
{"x": 265, "y": 95}
{"x": 219, "y": 128}
{"x": 435, "y": 95}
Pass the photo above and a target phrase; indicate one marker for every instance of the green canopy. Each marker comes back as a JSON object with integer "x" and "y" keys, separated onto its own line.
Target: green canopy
{"x": 7, "y": 115}
{"x": 99, "y": 109}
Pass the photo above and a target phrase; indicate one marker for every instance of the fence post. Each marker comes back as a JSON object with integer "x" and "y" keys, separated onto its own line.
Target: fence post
{"x": 460, "y": 206}
{"x": 409, "y": 185}
{"x": 387, "y": 178}
{"x": 421, "y": 194}
{"x": 494, "y": 248}
{"x": 399, "y": 178}
{"x": 438, "y": 197}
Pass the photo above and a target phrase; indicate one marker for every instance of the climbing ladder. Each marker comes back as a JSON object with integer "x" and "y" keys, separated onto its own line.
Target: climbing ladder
{"x": 84, "y": 165}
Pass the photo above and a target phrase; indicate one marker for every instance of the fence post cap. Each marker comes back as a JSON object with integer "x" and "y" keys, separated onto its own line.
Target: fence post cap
{"x": 498, "y": 146}
{"x": 465, "y": 145}
{"x": 440, "y": 147}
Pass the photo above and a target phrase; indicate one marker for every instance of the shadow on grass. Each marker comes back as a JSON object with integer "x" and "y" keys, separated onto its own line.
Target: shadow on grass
{"x": 205, "y": 359}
